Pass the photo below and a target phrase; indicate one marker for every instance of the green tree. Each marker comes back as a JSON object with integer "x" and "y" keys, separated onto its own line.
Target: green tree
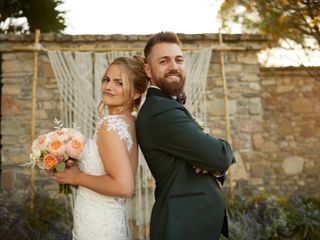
{"x": 40, "y": 14}
{"x": 297, "y": 20}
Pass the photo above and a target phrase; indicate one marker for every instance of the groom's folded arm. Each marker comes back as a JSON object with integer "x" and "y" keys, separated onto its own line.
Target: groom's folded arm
{"x": 178, "y": 135}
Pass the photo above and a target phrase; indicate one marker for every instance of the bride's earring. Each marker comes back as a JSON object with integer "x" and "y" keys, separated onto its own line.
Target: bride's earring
{"x": 134, "y": 112}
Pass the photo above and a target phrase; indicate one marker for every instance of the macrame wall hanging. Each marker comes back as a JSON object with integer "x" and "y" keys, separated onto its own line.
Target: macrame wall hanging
{"x": 79, "y": 75}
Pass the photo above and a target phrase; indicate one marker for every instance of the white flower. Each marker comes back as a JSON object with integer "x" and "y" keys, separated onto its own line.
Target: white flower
{"x": 61, "y": 134}
{"x": 201, "y": 124}
{"x": 35, "y": 151}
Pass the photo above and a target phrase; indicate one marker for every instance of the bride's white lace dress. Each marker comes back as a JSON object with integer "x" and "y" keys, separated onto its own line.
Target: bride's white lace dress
{"x": 98, "y": 216}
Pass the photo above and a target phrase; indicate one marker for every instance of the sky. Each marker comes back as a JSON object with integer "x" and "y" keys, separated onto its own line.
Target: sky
{"x": 150, "y": 16}
{"x": 141, "y": 16}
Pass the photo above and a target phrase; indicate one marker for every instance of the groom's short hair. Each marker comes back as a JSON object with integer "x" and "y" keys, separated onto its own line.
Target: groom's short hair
{"x": 161, "y": 37}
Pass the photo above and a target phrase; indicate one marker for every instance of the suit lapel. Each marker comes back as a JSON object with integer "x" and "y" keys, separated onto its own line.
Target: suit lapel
{"x": 158, "y": 92}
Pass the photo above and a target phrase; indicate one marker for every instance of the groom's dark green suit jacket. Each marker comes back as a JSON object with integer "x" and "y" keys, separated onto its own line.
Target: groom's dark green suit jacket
{"x": 188, "y": 206}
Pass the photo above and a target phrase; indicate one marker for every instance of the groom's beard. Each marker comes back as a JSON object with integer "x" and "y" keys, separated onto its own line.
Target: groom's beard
{"x": 169, "y": 86}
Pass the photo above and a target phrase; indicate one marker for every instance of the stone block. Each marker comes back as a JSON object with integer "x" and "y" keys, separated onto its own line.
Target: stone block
{"x": 302, "y": 105}
{"x": 230, "y": 57}
{"x": 215, "y": 107}
{"x": 11, "y": 89}
{"x": 232, "y": 107}
{"x": 251, "y": 69}
{"x": 285, "y": 127}
{"x": 11, "y": 66}
{"x": 233, "y": 68}
{"x": 307, "y": 88}
{"x": 41, "y": 114}
{"x": 47, "y": 71}
{"x": 293, "y": 165}
{"x": 254, "y": 86}
{"x": 10, "y": 127}
{"x": 7, "y": 57}
{"x": 258, "y": 140}
{"x": 7, "y": 180}
{"x": 270, "y": 146}
{"x": 25, "y": 56}
{"x": 9, "y": 106}
{"x": 243, "y": 106}
{"x": 243, "y": 141}
{"x": 239, "y": 170}
{"x": 27, "y": 66}
{"x": 255, "y": 106}
{"x": 251, "y": 125}
{"x": 249, "y": 77}
{"x": 257, "y": 170}
{"x": 285, "y": 88}
{"x": 19, "y": 159}
{"x": 48, "y": 105}
{"x": 267, "y": 82}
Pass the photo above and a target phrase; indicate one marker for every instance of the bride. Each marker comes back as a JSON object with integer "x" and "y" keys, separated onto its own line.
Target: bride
{"x": 107, "y": 169}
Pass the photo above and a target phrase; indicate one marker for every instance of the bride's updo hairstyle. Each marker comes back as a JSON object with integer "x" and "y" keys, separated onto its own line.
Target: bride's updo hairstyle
{"x": 134, "y": 80}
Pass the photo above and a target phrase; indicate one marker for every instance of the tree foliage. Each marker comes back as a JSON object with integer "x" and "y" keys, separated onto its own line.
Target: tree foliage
{"x": 40, "y": 14}
{"x": 296, "y": 20}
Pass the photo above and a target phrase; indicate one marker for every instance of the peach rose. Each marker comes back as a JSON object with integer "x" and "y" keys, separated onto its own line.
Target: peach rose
{"x": 49, "y": 161}
{"x": 42, "y": 142}
{"x": 75, "y": 147}
{"x": 56, "y": 146}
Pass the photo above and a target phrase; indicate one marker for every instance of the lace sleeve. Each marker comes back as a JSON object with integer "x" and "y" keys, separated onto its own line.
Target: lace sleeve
{"x": 116, "y": 123}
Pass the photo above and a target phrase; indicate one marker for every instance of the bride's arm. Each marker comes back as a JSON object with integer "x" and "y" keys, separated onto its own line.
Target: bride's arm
{"x": 119, "y": 180}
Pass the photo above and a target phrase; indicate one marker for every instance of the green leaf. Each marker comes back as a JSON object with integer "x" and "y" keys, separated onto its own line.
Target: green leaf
{"x": 40, "y": 14}
{"x": 61, "y": 167}
{"x": 65, "y": 156}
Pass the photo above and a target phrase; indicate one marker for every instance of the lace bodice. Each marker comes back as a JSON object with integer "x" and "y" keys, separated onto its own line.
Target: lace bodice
{"x": 116, "y": 123}
{"x": 91, "y": 162}
{"x": 98, "y": 216}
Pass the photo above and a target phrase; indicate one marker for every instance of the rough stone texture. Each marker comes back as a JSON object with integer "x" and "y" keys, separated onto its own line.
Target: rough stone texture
{"x": 291, "y": 129}
{"x": 274, "y": 113}
{"x": 293, "y": 165}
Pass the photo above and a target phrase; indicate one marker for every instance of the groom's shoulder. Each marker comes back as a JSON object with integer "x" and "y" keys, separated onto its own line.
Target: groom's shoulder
{"x": 157, "y": 104}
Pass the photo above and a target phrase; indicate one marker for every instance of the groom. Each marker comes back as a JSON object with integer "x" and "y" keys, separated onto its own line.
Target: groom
{"x": 188, "y": 206}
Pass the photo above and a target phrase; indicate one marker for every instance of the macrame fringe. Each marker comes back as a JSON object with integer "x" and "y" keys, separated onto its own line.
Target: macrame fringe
{"x": 79, "y": 76}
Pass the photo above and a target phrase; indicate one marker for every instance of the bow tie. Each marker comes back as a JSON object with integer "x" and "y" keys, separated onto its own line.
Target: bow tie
{"x": 181, "y": 98}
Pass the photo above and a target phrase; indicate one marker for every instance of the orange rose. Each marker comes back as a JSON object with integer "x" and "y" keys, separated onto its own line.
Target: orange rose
{"x": 49, "y": 161}
{"x": 56, "y": 146}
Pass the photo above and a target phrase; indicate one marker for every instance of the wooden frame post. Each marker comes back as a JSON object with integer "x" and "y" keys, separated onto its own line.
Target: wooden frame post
{"x": 226, "y": 109}
{"x": 33, "y": 113}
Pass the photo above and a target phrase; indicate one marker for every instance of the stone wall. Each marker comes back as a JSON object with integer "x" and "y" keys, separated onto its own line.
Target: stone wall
{"x": 274, "y": 115}
{"x": 16, "y": 103}
{"x": 291, "y": 130}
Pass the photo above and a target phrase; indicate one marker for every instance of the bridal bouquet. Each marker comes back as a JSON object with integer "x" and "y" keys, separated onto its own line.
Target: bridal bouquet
{"x": 57, "y": 150}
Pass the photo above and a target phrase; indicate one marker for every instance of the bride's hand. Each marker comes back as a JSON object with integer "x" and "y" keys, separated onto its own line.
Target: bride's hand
{"x": 69, "y": 175}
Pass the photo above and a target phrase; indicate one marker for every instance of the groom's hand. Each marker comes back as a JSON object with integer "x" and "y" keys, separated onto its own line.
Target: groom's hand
{"x": 204, "y": 171}
{"x": 199, "y": 170}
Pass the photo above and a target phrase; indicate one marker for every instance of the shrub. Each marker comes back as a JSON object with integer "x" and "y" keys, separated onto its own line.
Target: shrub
{"x": 268, "y": 217}
{"x": 50, "y": 219}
